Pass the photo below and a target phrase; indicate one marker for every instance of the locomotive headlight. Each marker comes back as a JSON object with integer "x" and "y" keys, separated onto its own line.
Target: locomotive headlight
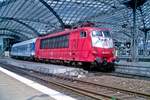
{"x": 94, "y": 52}
{"x": 106, "y": 52}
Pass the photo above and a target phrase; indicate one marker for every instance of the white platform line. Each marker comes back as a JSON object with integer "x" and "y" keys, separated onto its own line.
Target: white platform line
{"x": 52, "y": 93}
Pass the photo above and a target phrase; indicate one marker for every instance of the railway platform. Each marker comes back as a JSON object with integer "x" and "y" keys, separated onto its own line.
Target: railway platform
{"x": 44, "y": 68}
{"x": 11, "y": 89}
{"x": 15, "y": 87}
{"x": 137, "y": 64}
{"x": 133, "y": 68}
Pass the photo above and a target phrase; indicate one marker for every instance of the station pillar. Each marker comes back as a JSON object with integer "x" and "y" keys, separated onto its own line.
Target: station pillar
{"x": 5, "y": 45}
{"x": 1, "y": 45}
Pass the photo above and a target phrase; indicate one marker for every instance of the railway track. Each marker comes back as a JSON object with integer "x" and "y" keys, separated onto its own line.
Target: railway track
{"x": 136, "y": 70}
{"x": 89, "y": 89}
{"x": 118, "y": 74}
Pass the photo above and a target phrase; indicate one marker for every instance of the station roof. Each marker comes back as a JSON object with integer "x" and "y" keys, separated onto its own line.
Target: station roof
{"x": 27, "y": 19}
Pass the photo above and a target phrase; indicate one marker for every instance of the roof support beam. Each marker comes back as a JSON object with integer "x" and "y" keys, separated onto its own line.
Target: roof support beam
{"x": 35, "y": 20}
{"x": 52, "y": 11}
{"x": 15, "y": 32}
{"x": 7, "y": 2}
{"x": 26, "y": 25}
{"x": 8, "y": 36}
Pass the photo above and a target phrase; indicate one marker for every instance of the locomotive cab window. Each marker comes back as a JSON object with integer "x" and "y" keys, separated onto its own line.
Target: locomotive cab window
{"x": 106, "y": 34}
{"x": 83, "y": 34}
{"x": 97, "y": 33}
{"x": 101, "y": 33}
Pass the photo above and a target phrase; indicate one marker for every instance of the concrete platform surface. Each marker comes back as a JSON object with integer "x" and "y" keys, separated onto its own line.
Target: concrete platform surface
{"x": 11, "y": 88}
{"x": 45, "y": 68}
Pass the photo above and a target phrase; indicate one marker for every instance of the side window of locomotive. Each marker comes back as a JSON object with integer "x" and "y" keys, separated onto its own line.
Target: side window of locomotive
{"x": 83, "y": 34}
{"x": 52, "y": 43}
{"x": 60, "y": 42}
{"x": 46, "y": 44}
{"x": 56, "y": 42}
{"x": 63, "y": 41}
{"x": 49, "y": 43}
{"x": 41, "y": 44}
{"x": 66, "y": 44}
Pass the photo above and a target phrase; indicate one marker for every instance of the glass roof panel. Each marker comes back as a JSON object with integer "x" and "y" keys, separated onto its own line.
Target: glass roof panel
{"x": 36, "y": 17}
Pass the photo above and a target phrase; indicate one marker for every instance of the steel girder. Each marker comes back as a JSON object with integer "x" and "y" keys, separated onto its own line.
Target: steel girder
{"x": 4, "y": 3}
{"x": 52, "y": 11}
{"x": 10, "y": 36}
{"x": 18, "y": 21}
{"x": 64, "y": 11}
{"x": 34, "y": 20}
{"x": 15, "y": 33}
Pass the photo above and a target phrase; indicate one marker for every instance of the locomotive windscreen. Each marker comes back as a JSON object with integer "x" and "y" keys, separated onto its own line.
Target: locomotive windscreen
{"x": 102, "y": 39}
{"x": 106, "y": 34}
{"x": 101, "y": 33}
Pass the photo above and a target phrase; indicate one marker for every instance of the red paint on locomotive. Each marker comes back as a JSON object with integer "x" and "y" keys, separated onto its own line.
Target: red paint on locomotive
{"x": 82, "y": 44}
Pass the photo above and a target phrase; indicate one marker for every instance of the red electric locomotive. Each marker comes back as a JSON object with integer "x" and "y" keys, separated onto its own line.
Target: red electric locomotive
{"x": 86, "y": 45}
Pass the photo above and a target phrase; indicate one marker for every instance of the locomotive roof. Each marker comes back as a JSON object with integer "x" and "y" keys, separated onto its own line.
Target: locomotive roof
{"x": 66, "y": 31}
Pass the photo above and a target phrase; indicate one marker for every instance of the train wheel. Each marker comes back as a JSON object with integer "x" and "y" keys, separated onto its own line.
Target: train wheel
{"x": 94, "y": 66}
{"x": 86, "y": 65}
{"x": 61, "y": 62}
{"x": 67, "y": 63}
{"x": 112, "y": 66}
{"x": 109, "y": 67}
{"x": 73, "y": 63}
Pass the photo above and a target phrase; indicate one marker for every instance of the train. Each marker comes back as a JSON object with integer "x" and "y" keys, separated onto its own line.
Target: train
{"x": 88, "y": 46}
{"x": 24, "y": 50}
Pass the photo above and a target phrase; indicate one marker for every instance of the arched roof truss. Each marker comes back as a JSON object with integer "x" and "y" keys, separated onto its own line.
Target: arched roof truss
{"x": 37, "y": 17}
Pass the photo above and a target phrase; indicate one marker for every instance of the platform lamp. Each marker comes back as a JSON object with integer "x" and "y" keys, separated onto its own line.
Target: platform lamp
{"x": 134, "y": 4}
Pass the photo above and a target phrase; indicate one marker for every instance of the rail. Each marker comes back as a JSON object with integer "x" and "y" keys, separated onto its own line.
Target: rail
{"x": 99, "y": 92}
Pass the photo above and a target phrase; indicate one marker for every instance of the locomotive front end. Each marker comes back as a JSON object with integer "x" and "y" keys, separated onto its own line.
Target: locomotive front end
{"x": 103, "y": 50}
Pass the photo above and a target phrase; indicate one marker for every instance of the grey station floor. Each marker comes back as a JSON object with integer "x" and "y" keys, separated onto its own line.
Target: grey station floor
{"x": 12, "y": 89}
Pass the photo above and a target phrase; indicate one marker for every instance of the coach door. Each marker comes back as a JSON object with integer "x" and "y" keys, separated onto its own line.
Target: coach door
{"x": 74, "y": 45}
{"x": 83, "y": 45}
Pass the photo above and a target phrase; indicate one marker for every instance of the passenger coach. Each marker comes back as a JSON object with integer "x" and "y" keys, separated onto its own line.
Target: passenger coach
{"x": 24, "y": 50}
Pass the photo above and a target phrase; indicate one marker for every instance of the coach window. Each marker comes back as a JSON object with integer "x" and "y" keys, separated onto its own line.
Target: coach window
{"x": 63, "y": 42}
{"x": 82, "y": 34}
